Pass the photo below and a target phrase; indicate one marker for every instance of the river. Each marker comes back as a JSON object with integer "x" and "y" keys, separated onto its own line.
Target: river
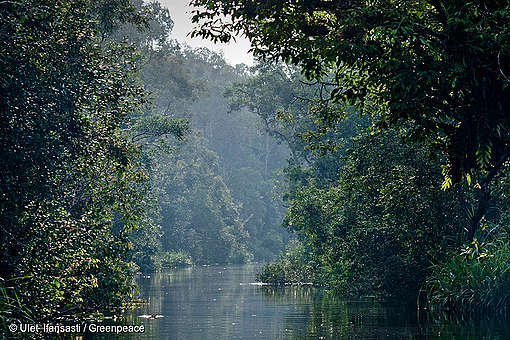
{"x": 218, "y": 302}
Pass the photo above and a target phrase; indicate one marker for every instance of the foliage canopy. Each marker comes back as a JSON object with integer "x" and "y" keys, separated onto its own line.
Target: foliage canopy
{"x": 437, "y": 69}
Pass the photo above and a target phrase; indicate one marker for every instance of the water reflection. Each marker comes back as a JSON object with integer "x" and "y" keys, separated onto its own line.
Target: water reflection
{"x": 219, "y": 303}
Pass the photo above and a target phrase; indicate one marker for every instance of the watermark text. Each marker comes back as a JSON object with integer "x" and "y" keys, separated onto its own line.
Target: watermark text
{"x": 49, "y": 328}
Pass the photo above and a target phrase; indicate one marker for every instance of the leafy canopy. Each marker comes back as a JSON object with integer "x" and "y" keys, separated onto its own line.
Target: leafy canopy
{"x": 437, "y": 69}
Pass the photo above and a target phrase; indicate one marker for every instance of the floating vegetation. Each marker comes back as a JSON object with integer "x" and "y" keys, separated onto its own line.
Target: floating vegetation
{"x": 151, "y": 316}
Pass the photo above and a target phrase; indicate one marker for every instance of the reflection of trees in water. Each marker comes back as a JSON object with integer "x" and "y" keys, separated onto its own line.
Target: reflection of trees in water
{"x": 488, "y": 326}
{"x": 320, "y": 315}
{"x": 154, "y": 290}
{"x": 198, "y": 302}
{"x": 210, "y": 303}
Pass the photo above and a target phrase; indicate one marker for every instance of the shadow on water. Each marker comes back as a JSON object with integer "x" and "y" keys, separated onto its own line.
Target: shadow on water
{"x": 220, "y": 303}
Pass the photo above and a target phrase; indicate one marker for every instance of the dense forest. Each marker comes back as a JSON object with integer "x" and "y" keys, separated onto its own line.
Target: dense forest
{"x": 120, "y": 153}
{"x": 367, "y": 150}
{"x": 414, "y": 198}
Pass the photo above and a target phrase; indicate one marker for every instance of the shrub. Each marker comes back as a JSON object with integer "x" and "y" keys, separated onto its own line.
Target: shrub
{"x": 477, "y": 279}
{"x": 171, "y": 259}
{"x": 293, "y": 266}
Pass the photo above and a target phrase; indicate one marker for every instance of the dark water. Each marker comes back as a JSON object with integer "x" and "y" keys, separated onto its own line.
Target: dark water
{"x": 216, "y": 303}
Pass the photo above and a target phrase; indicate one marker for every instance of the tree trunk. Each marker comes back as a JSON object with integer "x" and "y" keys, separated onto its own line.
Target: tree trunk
{"x": 485, "y": 195}
{"x": 483, "y": 206}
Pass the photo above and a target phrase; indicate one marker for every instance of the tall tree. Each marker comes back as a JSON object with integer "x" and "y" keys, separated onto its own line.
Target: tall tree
{"x": 248, "y": 154}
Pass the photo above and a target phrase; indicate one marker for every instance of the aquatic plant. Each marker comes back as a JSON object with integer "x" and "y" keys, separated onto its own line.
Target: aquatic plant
{"x": 476, "y": 279}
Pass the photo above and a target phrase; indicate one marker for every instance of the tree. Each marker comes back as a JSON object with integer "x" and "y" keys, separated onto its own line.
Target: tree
{"x": 70, "y": 183}
{"x": 437, "y": 69}
{"x": 248, "y": 155}
{"x": 198, "y": 213}
{"x": 157, "y": 127}
{"x": 278, "y": 97}
{"x": 380, "y": 225}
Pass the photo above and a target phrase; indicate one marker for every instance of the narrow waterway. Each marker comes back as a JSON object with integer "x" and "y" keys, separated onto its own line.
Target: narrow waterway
{"x": 216, "y": 303}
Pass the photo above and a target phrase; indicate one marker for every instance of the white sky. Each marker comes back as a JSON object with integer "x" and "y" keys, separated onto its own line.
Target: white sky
{"x": 234, "y": 52}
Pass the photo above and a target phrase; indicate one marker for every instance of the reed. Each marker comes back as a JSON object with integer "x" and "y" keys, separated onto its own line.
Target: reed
{"x": 12, "y": 309}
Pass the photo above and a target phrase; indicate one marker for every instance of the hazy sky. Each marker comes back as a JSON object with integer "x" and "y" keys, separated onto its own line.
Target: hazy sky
{"x": 234, "y": 52}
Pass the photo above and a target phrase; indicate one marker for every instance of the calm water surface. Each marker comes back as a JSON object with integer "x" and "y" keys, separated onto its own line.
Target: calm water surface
{"x": 219, "y": 303}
